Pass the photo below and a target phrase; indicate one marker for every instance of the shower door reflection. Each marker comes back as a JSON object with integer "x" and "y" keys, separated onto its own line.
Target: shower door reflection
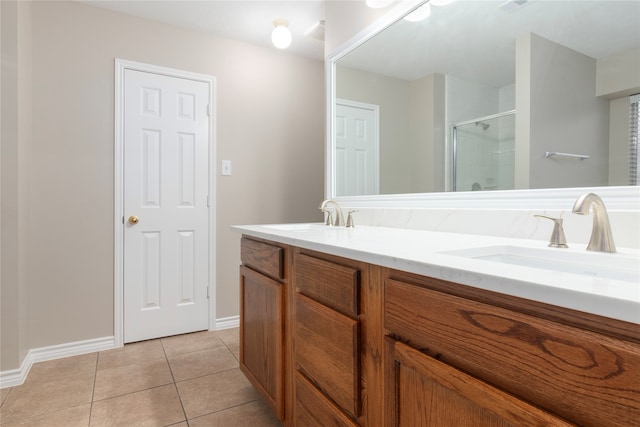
{"x": 484, "y": 153}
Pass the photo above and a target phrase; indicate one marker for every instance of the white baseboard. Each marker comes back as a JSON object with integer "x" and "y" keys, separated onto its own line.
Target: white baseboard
{"x": 16, "y": 377}
{"x": 227, "y": 322}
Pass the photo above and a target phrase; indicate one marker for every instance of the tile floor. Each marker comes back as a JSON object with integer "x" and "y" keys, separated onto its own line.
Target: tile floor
{"x": 186, "y": 380}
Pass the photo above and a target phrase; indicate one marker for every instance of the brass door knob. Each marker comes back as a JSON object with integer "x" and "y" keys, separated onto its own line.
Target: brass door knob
{"x": 133, "y": 220}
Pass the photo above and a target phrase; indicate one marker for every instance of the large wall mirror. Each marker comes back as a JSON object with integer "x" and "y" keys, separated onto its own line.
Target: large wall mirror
{"x": 485, "y": 96}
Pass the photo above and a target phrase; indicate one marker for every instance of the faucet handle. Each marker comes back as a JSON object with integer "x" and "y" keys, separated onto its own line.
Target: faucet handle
{"x": 350, "y": 223}
{"x": 329, "y": 218}
{"x": 557, "y": 239}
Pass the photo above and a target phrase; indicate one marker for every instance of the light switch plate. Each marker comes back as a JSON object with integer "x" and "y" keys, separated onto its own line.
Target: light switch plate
{"x": 226, "y": 167}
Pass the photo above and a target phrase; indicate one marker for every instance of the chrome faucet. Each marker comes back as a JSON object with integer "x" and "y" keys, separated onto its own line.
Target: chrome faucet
{"x": 601, "y": 236}
{"x": 339, "y": 220}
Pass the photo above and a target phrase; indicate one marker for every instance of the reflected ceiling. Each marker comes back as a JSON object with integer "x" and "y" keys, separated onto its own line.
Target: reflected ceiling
{"x": 473, "y": 24}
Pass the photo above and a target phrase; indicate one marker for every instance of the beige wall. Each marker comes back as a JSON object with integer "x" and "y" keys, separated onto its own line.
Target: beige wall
{"x": 558, "y": 114}
{"x": 428, "y": 129}
{"x": 15, "y": 143}
{"x": 619, "y": 75}
{"x": 270, "y": 123}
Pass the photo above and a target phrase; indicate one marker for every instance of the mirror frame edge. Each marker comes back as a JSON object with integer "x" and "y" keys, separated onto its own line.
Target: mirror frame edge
{"x": 626, "y": 198}
{"x": 395, "y": 14}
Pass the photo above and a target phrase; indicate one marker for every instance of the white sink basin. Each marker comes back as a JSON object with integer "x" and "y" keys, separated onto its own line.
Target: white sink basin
{"x": 301, "y": 227}
{"x": 614, "y": 266}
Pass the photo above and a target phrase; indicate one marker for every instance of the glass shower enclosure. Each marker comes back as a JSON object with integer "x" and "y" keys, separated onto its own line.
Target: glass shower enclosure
{"x": 484, "y": 153}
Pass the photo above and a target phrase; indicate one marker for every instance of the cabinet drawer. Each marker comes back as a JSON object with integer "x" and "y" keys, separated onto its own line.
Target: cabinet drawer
{"x": 332, "y": 284}
{"x": 326, "y": 351}
{"x": 263, "y": 257}
{"x": 585, "y": 377}
{"x": 314, "y": 410}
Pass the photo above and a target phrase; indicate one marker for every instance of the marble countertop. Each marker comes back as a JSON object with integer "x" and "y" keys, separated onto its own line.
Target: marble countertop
{"x": 441, "y": 255}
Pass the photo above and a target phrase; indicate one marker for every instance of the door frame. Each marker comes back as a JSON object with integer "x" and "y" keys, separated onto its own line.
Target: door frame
{"x": 118, "y": 260}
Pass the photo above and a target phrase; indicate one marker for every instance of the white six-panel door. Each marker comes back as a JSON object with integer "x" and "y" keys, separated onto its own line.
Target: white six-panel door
{"x": 166, "y": 176}
{"x": 357, "y": 149}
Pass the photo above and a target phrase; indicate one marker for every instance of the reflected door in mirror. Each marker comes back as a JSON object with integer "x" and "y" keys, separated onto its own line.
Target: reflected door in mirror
{"x": 357, "y": 148}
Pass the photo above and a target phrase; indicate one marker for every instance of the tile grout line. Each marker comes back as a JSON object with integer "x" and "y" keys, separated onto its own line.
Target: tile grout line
{"x": 175, "y": 385}
{"x": 93, "y": 389}
{"x": 201, "y": 376}
{"x": 205, "y": 375}
{"x": 230, "y": 351}
{"x": 226, "y": 409}
{"x": 130, "y": 392}
{"x": 9, "y": 390}
{"x": 5, "y": 399}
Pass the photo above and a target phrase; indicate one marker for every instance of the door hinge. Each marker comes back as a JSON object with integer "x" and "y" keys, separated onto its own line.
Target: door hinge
{"x": 208, "y": 201}
{"x": 208, "y": 292}
{"x": 209, "y": 110}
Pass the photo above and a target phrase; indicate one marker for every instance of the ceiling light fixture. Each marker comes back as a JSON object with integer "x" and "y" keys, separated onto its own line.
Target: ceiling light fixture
{"x": 378, "y": 4}
{"x": 281, "y": 36}
{"x": 420, "y": 14}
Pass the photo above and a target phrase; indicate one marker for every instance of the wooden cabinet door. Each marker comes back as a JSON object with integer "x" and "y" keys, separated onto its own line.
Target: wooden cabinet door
{"x": 262, "y": 336}
{"x": 421, "y": 391}
{"x": 327, "y": 352}
{"x": 313, "y": 408}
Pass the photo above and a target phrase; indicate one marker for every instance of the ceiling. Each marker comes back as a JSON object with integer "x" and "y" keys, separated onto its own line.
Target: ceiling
{"x": 596, "y": 28}
{"x": 250, "y": 21}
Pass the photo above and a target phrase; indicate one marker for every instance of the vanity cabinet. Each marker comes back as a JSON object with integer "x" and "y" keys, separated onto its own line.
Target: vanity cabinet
{"x": 482, "y": 356}
{"x": 331, "y": 341}
{"x": 262, "y": 319}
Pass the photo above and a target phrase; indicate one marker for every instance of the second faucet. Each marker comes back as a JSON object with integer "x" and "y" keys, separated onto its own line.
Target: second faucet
{"x": 339, "y": 220}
